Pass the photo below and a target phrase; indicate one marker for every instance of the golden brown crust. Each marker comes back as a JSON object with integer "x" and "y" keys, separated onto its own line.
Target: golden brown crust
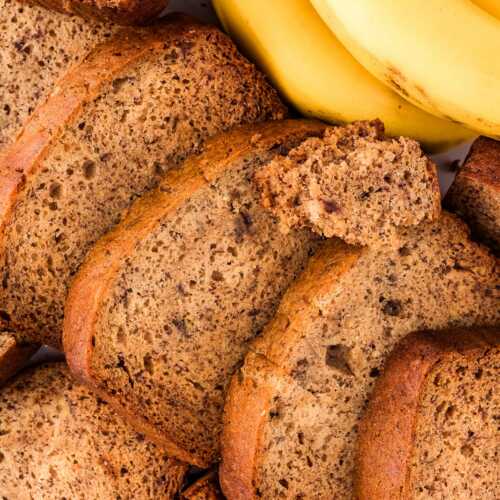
{"x": 483, "y": 162}
{"x": 239, "y": 450}
{"x": 118, "y": 11}
{"x": 388, "y": 426}
{"x": 248, "y": 401}
{"x": 13, "y": 356}
{"x": 96, "y": 277}
{"x": 205, "y": 488}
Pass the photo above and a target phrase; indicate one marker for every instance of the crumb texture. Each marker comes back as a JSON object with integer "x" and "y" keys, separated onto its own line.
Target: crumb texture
{"x": 145, "y": 120}
{"x": 37, "y": 47}
{"x": 58, "y": 441}
{"x": 352, "y": 183}
{"x": 326, "y": 347}
{"x": 192, "y": 295}
{"x": 457, "y": 438}
{"x": 475, "y": 193}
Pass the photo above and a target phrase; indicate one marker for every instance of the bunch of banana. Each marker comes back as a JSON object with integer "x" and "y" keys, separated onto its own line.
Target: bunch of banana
{"x": 441, "y": 55}
{"x": 319, "y": 76}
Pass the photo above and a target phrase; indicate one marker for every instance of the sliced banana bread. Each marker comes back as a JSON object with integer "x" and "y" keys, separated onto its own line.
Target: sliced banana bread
{"x": 119, "y": 11}
{"x": 58, "y": 441}
{"x": 206, "y": 488}
{"x": 37, "y": 46}
{"x": 475, "y": 193}
{"x": 163, "y": 308}
{"x": 115, "y": 124}
{"x": 431, "y": 427}
{"x": 353, "y": 183}
{"x": 292, "y": 414}
{"x": 13, "y": 356}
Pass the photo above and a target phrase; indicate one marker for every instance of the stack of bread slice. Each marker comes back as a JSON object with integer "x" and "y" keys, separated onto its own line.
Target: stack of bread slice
{"x": 228, "y": 281}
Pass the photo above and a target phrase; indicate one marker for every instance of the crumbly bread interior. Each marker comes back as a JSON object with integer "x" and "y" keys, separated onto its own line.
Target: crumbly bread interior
{"x": 147, "y": 119}
{"x": 324, "y": 360}
{"x": 475, "y": 193}
{"x": 457, "y": 434}
{"x": 353, "y": 183}
{"x": 187, "y": 302}
{"x": 58, "y": 441}
{"x": 37, "y": 46}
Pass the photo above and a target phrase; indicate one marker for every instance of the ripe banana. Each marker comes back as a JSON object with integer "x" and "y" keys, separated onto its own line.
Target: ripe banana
{"x": 319, "y": 76}
{"x": 442, "y": 55}
{"x": 491, "y": 6}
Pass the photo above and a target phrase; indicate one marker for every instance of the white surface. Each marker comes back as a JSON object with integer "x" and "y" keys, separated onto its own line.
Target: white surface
{"x": 204, "y": 11}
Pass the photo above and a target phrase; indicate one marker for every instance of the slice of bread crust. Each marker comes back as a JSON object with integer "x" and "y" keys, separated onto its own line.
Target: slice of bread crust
{"x": 58, "y": 440}
{"x": 118, "y": 11}
{"x": 475, "y": 193}
{"x": 38, "y": 46}
{"x": 131, "y": 111}
{"x": 396, "y": 419}
{"x": 13, "y": 356}
{"x": 201, "y": 267}
{"x": 292, "y": 412}
{"x": 353, "y": 183}
{"x": 206, "y": 488}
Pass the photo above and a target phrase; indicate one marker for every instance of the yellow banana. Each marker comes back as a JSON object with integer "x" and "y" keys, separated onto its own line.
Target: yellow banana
{"x": 490, "y": 6}
{"x": 319, "y": 76}
{"x": 442, "y": 55}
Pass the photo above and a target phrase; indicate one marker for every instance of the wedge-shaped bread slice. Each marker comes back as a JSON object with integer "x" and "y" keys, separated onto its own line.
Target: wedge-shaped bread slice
{"x": 58, "y": 441}
{"x": 475, "y": 193}
{"x": 13, "y": 356}
{"x": 119, "y": 11}
{"x": 205, "y": 488}
{"x": 353, "y": 183}
{"x": 37, "y": 46}
{"x": 292, "y": 414}
{"x": 131, "y": 111}
{"x": 431, "y": 427}
{"x": 163, "y": 308}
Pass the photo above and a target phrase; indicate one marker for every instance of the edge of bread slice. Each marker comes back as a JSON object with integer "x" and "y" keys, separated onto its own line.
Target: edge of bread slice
{"x": 292, "y": 411}
{"x": 57, "y": 439}
{"x": 118, "y": 11}
{"x": 353, "y": 183}
{"x": 13, "y": 356}
{"x": 416, "y": 369}
{"x": 131, "y": 111}
{"x": 475, "y": 192}
{"x": 130, "y": 322}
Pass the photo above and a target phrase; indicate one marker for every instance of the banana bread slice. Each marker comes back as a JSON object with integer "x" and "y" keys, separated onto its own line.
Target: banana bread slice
{"x": 206, "y": 488}
{"x": 118, "y": 11}
{"x": 475, "y": 193}
{"x": 13, "y": 356}
{"x": 352, "y": 183}
{"x": 162, "y": 310}
{"x": 431, "y": 427}
{"x": 115, "y": 124}
{"x": 292, "y": 413}
{"x": 57, "y": 440}
{"x": 37, "y": 47}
